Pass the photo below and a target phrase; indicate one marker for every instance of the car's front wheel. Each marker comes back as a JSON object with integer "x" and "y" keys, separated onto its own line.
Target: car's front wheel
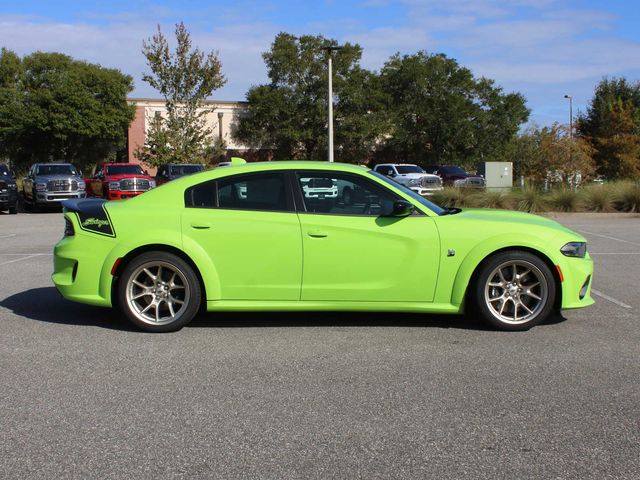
{"x": 159, "y": 292}
{"x": 515, "y": 290}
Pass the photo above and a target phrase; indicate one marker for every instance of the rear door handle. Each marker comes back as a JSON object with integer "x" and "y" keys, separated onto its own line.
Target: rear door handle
{"x": 200, "y": 226}
{"x": 317, "y": 233}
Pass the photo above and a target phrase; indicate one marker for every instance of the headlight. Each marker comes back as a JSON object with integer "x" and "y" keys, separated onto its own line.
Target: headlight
{"x": 114, "y": 185}
{"x": 11, "y": 186}
{"x": 574, "y": 249}
{"x": 81, "y": 185}
{"x": 41, "y": 186}
{"x": 414, "y": 181}
{"x": 459, "y": 183}
{"x": 152, "y": 184}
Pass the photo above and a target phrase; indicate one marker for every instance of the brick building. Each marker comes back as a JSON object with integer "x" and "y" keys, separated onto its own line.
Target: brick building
{"x": 222, "y": 118}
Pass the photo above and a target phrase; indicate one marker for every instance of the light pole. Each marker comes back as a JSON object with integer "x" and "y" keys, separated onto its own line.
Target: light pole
{"x": 573, "y": 179}
{"x": 329, "y": 51}
{"x": 570, "y": 115}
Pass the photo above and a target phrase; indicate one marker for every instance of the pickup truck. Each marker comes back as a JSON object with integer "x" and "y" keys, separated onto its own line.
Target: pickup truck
{"x": 8, "y": 190}
{"x": 172, "y": 171}
{"x": 456, "y": 176}
{"x": 48, "y": 184}
{"x": 115, "y": 181}
{"x": 411, "y": 176}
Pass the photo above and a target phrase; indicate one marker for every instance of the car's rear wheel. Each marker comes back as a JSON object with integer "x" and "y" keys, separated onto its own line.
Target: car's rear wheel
{"x": 515, "y": 290}
{"x": 13, "y": 209}
{"x": 159, "y": 292}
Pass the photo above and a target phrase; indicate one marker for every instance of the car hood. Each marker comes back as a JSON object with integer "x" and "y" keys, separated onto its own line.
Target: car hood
{"x": 115, "y": 178}
{"x": 48, "y": 178}
{"x": 416, "y": 175}
{"x": 487, "y": 215}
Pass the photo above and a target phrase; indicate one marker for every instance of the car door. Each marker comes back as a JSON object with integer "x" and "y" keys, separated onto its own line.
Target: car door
{"x": 353, "y": 252}
{"x": 248, "y": 227}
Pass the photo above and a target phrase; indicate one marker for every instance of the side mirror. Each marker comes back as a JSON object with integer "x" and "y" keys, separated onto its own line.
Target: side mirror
{"x": 146, "y": 172}
{"x": 402, "y": 209}
{"x": 391, "y": 173}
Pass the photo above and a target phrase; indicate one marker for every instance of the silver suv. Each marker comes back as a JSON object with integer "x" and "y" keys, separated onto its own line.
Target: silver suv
{"x": 411, "y": 176}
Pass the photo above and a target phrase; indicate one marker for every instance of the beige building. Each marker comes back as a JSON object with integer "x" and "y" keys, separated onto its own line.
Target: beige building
{"x": 221, "y": 119}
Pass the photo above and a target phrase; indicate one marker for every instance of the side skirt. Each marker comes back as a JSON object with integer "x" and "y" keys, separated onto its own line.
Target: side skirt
{"x": 302, "y": 306}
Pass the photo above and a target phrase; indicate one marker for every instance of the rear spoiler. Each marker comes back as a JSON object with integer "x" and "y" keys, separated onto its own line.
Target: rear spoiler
{"x": 92, "y": 215}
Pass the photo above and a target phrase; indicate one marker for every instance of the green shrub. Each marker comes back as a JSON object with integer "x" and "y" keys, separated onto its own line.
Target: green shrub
{"x": 598, "y": 198}
{"x": 491, "y": 199}
{"x": 563, "y": 200}
{"x": 451, "y": 197}
{"x": 530, "y": 200}
{"x": 627, "y": 197}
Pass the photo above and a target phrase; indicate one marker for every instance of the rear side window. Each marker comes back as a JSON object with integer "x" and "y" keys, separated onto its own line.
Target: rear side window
{"x": 260, "y": 191}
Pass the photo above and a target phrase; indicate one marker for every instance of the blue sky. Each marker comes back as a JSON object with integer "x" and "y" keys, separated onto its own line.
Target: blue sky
{"x": 541, "y": 48}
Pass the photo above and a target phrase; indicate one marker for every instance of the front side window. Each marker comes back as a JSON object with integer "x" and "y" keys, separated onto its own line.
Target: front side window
{"x": 260, "y": 191}
{"x": 338, "y": 193}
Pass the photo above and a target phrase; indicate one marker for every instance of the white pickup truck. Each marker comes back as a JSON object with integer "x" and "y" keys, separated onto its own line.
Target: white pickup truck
{"x": 411, "y": 176}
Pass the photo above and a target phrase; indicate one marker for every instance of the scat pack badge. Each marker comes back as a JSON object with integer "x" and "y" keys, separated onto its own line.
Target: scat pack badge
{"x": 95, "y": 222}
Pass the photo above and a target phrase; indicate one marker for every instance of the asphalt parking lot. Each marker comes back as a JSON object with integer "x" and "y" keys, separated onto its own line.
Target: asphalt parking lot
{"x": 282, "y": 396}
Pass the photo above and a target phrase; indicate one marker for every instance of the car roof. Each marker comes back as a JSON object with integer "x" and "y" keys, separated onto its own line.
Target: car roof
{"x": 294, "y": 165}
{"x": 108, "y": 164}
{"x": 183, "y": 164}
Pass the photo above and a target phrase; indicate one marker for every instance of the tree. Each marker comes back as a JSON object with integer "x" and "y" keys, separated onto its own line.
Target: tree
{"x": 53, "y": 107}
{"x": 185, "y": 78}
{"x": 611, "y": 125}
{"x": 550, "y": 154}
{"x": 442, "y": 114}
{"x": 289, "y": 114}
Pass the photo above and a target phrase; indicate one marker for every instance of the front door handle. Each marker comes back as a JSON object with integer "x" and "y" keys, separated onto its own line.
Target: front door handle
{"x": 200, "y": 225}
{"x": 317, "y": 233}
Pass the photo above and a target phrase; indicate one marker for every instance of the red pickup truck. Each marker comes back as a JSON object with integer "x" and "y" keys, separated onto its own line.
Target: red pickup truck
{"x": 115, "y": 181}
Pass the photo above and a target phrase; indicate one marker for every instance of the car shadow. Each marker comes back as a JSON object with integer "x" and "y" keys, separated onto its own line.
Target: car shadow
{"x": 47, "y": 305}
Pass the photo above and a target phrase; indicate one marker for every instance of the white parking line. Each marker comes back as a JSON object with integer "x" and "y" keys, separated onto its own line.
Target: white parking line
{"x": 610, "y": 238}
{"x": 614, "y": 253}
{"x": 25, "y": 253}
{"x": 611, "y": 299}
{"x": 23, "y": 258}
{"x": 8, "y": 236}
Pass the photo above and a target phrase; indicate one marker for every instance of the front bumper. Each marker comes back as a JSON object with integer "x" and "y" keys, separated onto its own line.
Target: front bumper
{"x": 578, "y": 277}
{"x": 121, "y": 195}
{"x": 57, "y": 197}
{"x": 8, "y": 198}
{"x": 426, "y": 191}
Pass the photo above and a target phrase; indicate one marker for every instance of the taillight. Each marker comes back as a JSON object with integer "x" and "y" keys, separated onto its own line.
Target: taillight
{"x": 68, "y": 228}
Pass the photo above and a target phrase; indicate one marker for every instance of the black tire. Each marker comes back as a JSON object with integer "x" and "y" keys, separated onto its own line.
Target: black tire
{"x": 13, "y": 209}
{"x": 509, "y": 304}
{"x": 190, "y": 294}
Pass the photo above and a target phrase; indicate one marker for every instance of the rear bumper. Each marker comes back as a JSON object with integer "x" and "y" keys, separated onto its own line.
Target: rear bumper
{"x": 78, "y": 264}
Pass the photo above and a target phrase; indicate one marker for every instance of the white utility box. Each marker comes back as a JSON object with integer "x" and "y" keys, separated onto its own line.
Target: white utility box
{"x": 498, "y": 175}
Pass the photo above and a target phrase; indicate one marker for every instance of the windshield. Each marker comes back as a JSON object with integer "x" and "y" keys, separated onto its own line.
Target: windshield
{"x": 64, "y": 169}
{"x": 185, "y": 169}
{"x": 124, "y": 170}
{"x": 4, "y": 170}
{"x": 404, "y": 169}
{"x": 430, "y": 205}
{"x": 451, "y": 170}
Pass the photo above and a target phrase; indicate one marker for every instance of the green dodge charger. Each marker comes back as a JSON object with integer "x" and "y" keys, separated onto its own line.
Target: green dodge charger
{"x": 313, "y": 236}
